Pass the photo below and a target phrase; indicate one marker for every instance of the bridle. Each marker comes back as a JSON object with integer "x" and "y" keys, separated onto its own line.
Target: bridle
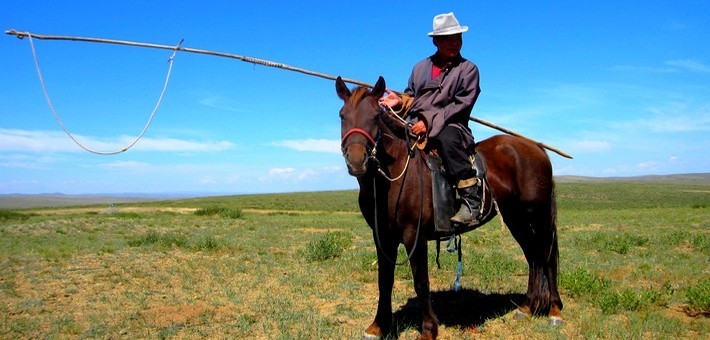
{"x": 371, "y": 148}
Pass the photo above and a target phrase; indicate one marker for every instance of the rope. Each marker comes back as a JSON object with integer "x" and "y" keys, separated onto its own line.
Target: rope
{"x": 396, "y": 115}
{"x": 61, "y": 124}
{"x": 419, "y": 223}
{"x": 406, "y": 165}
{"x": 409, "y": 154}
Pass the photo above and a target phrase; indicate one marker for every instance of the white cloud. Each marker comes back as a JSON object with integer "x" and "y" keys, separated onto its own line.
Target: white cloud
{"x": 221, "y": 103}
{"x": 281, "y": 171}
{"x": 34, "y": 141}
{"x": 294, "y": 174}
{"x": 644, "y": 69}
{"x": 669, "y": 121}
{"x": 689, "y": 65}
{"x": 207, "y": 180}
{"x": 24, "y": 161}
{"x": 178, "y": 145}
{"x": 670, "y": 66}
{"x": 314, "y": 145}
{"x": 592, "y": 146}
{"x": 648, "y": 166}
{"x": 126, "y": 166}
{"x": 16, "y": 140}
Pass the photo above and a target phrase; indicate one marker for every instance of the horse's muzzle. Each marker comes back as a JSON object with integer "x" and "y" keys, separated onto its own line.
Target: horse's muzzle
{"x": 356, "y": 158}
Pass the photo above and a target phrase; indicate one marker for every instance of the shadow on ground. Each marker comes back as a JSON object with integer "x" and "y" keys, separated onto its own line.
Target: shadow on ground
{"x": 466, "y": 308}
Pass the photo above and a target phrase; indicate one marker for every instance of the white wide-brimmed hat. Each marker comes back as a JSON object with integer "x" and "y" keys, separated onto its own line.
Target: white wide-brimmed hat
{"x": 446, "y": 24}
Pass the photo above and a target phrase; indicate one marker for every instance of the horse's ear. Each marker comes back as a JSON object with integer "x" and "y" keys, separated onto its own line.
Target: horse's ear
{"x": 379, "y": 88}
{"x": 342, "y": 89}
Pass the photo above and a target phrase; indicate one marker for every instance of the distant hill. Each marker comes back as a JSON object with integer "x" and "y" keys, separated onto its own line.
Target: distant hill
{"x": 696, "y": 179}
{"x": 18, "y": 201}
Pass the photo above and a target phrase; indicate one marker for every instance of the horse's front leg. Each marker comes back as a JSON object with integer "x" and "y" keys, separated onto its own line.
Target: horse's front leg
{"x": 419, "y": 263}
{"x": 386, "y": 259}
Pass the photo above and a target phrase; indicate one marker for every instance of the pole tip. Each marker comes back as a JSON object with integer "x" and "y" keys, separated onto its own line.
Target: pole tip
{"x": 16, "y": 33}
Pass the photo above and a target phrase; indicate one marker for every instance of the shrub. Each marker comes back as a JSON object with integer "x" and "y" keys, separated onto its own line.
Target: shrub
{"x": 231, "y": 213}
{"x": 163, "y": 240}
{"x": 221, "y": 211}
{"x": 330, "y": 245}
{"x": 698, "y": 298}
{"x": 701, "y": 243}
{"x": 208, "y": 243}
{"x": 622, "y": 243}
{"x": 582, "y": 282}
{"x": 126, "y": 215}
{"x": 170, "y": 240}
{"x": 612, "y": 302}
{"x": 618, "y": 242}
{"x": 207, "y": 211}
{"x": 7, "y": 215}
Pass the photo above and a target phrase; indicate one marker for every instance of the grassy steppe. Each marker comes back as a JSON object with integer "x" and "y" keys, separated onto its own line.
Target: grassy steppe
{"x": 634, "y": 265}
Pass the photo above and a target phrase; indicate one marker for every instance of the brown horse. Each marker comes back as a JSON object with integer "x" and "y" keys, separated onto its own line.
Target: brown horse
{"x": 396, "y": 201}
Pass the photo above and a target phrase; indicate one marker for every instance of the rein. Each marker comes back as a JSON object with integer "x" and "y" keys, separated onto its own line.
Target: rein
{"x": 409, "y": 153}
{"x": 419, "y": 221}
{"x": 373, "y": 156}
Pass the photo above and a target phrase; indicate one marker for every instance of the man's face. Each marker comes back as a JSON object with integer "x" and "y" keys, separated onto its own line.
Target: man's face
{"x": 448, "y": 46}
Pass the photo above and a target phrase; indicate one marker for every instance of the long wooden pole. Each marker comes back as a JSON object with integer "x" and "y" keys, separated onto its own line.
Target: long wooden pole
{"x": 268, "y": 63}
{"x": 511, "y": 132}
{"x": 21, "y": 35}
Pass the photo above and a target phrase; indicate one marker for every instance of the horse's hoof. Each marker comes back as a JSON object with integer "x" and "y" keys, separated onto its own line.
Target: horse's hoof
{"x": 520, "y": 315}
{"x": 366, "y": 336}
{"x": 556, "y": 321}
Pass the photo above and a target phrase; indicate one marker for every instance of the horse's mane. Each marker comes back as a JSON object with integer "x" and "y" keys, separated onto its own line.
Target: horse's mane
{"x": 357, "y": 95}
{"x": 389, "y": 123}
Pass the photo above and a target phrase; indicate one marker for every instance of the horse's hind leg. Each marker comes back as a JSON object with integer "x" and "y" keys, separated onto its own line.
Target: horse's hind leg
{"x": 555, "y": 312}
{"x": 420, "y": 272}
{"x": 535, "y": 231}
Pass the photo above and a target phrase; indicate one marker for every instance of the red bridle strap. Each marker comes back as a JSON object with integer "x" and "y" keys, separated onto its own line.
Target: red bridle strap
{"x": 360, "y": 131}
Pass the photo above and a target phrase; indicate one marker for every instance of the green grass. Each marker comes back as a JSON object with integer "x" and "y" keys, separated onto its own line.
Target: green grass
{"x": 328, "y": 246}
{"x": 698, "y": 298}
{"x": 219, "y": 211}
{"x": 633, "y": 265}
{"x": 8, "y": 215}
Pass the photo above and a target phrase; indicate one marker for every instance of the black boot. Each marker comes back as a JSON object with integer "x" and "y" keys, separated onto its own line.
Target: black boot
{"x": 469, "y": 213}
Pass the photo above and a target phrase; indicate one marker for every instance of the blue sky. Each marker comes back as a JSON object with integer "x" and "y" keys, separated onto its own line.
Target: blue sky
{"x": 623, "y": 86}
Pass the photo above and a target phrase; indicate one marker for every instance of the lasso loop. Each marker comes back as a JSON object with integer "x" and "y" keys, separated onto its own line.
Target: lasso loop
{"x": 59, "y": 120}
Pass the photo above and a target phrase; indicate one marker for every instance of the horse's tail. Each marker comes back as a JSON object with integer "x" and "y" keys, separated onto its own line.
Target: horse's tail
{"x": 553, "y": 211}
{"x": 553, "y": 263}
{"x": 554, "y": 251}
{"x": 545, "y": 274}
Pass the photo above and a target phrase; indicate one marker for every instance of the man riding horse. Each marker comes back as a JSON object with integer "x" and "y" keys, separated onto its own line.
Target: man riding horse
{"x": 438, "y": 101}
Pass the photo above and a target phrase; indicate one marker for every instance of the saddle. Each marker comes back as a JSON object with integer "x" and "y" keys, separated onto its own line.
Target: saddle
{"x": 446, "y": 202}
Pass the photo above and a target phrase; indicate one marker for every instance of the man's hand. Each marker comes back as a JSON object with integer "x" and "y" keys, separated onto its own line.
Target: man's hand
{"x": 419, "y": 128}
{"x": 391, "y": 100}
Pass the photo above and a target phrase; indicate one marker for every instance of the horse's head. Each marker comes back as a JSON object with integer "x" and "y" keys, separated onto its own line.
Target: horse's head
{"x": 359, "y": 123}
